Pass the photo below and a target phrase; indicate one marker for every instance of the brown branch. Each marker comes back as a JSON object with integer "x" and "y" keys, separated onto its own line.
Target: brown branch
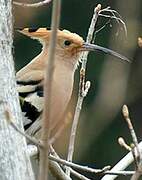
{"x": 41, "y": 3}
{"x": 83, "y": 88}
{"x": 45, "y": 133}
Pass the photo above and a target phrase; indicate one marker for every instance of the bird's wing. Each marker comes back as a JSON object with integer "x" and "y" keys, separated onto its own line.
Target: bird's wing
{"x": 31, "y": 96}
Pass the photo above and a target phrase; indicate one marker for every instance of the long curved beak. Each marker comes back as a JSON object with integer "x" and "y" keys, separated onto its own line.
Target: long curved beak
{"x": 93, "y": 47}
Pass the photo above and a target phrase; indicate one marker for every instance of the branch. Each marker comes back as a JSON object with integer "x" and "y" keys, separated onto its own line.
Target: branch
{"x": 73, "y": 172}
{"x": 88, "y": 169}
{"x": 122, "y": 164}
{"x": 83, "y": 88}
{"x": 130, "y": 126}
{"x": 140, "y": 42}
{"x": 41, "y": 3}
{"x": 137, "y": 158}
{"x": 113, "y": 14}
{"x": 45, "y": 133}
{"x": 32, "y": 150}
{"x": 55, "y": 169}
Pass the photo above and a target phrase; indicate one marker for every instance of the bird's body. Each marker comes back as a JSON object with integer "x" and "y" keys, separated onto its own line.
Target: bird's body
{"x": 30, "y": 79}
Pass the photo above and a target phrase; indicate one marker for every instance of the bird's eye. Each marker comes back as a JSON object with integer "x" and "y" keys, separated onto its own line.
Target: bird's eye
{"x": 67, "y": 42}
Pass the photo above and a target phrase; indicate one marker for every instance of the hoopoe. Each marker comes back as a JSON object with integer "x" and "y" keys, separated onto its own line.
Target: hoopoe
{"x": 30, "y": 79}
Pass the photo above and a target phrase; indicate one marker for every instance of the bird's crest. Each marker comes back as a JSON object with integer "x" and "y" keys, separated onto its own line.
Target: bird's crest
{"x": 44, "y": 33}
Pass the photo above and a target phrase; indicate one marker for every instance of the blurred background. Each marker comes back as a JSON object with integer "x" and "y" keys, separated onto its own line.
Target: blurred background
{"x": 113, "y": 82}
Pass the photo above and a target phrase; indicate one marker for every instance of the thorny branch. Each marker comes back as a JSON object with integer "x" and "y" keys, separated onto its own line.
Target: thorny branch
{"x": 38, "y": 4}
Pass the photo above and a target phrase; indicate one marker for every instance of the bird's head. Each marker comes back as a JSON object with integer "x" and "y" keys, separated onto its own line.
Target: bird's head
{"x": 69, "y": 45}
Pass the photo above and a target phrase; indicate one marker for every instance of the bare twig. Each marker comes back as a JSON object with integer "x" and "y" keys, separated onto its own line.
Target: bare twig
{"x": 113, "y": 15}
{"x": 140, "y": 42}
{"x": 45, "y": 133}
{"x": 78, "y": 175}
{"x": 32, "y": 150}
{"x": 135, "y": 148}
{"x": 38, "y": 4}
{"x": 122, "y": 143}
{"x": 53, "y": 166}
{"x": 88, "y": 169}
{"x": 135, "y": 156}
{"x": 73, "y": 172}
{"x": 57, "y": 171}
{"x": 82, "y": 88}
{"x": 122, "y": 164}
{"x": 132, "y": 131}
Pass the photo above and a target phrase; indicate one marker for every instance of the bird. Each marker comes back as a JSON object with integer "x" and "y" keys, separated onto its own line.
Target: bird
{"x": 30, "y": 79}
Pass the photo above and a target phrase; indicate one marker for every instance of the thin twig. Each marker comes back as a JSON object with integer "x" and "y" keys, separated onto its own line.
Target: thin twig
{"x": 82, "y": 88}
{"x": 135, "y": 156}
{"x": 122, "y": 164}
{"x": 88, "y": 169}
{"x": 78, "y": 175}
{"x": 32, "y": 150}
{"x": 45, "y": 133}
{"x": 73, "y": 172}
{"x": 116, "y": 18}
{"x": 122, "y": 143}
{"x": 140, "y": 42}
{"x": 135, "y": 150}
{"x": 132, "y": 131}
{"x": 38, "y": 4}
{"x": 113, "y": 15}
{"x": 54, "y": 167}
